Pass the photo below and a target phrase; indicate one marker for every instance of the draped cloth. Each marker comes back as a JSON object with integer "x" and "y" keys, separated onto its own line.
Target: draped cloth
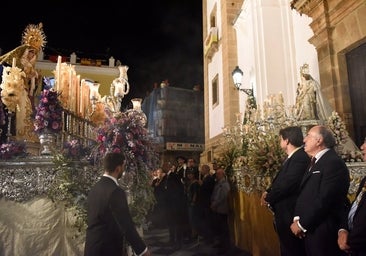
{"x": 38, "y": 227}
{"x": 325, "y": 110}
{"x": 323, "y": 106}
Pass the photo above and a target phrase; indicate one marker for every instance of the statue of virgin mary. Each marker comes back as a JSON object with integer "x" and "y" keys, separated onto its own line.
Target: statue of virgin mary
{"x": 311, "y": 104}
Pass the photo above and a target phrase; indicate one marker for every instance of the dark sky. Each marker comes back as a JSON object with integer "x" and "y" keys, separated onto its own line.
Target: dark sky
{"x": 158, "y": 40}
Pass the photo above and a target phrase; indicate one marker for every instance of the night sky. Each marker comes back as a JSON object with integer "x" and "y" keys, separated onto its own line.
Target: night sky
{"x": 158, "y": 40}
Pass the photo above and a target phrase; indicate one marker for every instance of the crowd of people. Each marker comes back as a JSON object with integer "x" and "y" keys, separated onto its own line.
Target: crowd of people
{"x": 313, "y": 213}
{"x": 192, "y": 203}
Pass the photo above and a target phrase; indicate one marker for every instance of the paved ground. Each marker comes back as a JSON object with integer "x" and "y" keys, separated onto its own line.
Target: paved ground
{"x": 157, "y": 239}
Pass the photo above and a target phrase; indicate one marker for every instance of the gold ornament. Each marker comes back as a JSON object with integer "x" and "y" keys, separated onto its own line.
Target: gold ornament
{"x": 34, "y": 36}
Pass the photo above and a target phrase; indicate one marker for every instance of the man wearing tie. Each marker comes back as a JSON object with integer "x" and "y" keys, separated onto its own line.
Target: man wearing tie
{"x": 352, "y": 234}
{"x": 282, "y": 194}
{"x": 323, "y": 194}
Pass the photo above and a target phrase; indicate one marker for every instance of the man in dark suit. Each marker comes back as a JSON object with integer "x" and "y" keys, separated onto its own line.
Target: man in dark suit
{"x": 352, "y": 234}
{"x": 281, "y": 196}
{"x": 109, "y": 219}
{"x": 176, "y": 202}
{"x": 323, "y": 194}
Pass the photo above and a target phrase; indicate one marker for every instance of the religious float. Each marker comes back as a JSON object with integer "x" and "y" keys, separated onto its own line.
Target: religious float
{"x": 51, "y": 150}
{"x": 253, "y": 156}
{"x": 54, "y": 136}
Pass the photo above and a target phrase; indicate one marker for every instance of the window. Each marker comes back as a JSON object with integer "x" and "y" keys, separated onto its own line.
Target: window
{"x": 215, "y": 91}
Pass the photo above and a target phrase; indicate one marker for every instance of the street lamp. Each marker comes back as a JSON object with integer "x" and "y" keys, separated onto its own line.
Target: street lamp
{"x": 237, "y": 75}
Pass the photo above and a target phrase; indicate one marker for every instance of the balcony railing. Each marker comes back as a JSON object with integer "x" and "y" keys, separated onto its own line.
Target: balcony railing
{"x": 211, "y": 42}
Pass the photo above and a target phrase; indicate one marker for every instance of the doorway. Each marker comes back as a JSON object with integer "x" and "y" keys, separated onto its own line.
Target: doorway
{"x": 356, "y": 66}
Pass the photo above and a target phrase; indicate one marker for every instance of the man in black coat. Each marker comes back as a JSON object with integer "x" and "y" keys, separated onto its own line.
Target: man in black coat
{"x": 109, "y": 219}
{"x": 282, "y": 194}
{"x": 323, "y": 194}
{"x": 176, "y": 205}
{"x": 352, "y": 234}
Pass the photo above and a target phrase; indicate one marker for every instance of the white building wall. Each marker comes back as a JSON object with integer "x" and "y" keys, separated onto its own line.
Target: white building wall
{"x": 272, "y": 45}
{"x": 305, "y": 52}
{"x": 216, "y": 113}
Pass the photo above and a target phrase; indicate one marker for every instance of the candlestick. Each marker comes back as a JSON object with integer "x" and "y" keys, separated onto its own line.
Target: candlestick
{"x": 94, "y": 93}
{"x": 70, "y": 88}
{"x": 58, "y": 81}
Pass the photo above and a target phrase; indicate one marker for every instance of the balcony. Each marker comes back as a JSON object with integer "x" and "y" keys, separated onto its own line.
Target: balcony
{"x": 211, "y": 42}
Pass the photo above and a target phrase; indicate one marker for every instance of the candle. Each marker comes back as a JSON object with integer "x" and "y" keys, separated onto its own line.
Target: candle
{"x": 81, "y": 95}
{"x": 14, "y": 62}
{"x": 70, "y": 88}
{"x": 77, "y": 84}
{"x": 58, "y": 81}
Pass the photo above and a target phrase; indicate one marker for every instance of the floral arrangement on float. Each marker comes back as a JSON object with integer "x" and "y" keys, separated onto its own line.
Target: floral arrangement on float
{"x": 252, "y": 153}
{"x": 349, "y": 152}
{"x": 125, "y": 132}
{"x": 13, "y": 150}
{"x": 121, "y": 132}
{"x": 48, "y": 117}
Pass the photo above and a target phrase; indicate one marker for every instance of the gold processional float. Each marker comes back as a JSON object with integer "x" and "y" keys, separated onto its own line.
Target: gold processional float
{"x": 83, "y": 107}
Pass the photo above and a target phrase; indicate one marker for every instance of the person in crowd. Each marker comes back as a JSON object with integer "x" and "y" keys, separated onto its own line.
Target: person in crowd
{"x": 220, "y": 209}
{"x": 159, "y": 212}
{"x": 176, "y": 203}
{"x": 281, "y": 196}
{"x": 207, "y": 183}
{"x": 108, "y": 216}
{"x": 188, "y": 229}
{"x": 352, "y": 232}
{"x": 193, "y": 193}
{"x": 215, "y": 166}
{"x": 181, "y": 168}
{"x": 323, "y": 194}
{"x": 192, "y": 166}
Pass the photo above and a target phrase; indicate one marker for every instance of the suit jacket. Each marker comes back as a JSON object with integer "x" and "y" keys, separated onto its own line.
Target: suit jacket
{"x": 109, "y": 221}
{"x": 282, "y": 197}
{"x": 323, "y": 194}
{"x": 357, "y": 236}
{"x": 284, "y": 189}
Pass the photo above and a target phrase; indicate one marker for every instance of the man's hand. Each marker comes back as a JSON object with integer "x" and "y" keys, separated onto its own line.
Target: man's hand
{"x": 342, "y": 240}
{"x": 263, "y": 199}
{"x": 296, "y": 230}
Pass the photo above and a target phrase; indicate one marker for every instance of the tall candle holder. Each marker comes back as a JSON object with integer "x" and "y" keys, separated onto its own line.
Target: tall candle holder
{"x": 8, "y": 134}
{"x": 94, "y": 96}
{"x": 118, "y": 89}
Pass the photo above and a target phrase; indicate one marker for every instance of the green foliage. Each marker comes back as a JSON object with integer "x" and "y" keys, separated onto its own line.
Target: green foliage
{"x": 143, "y": 198}
{"x": 264, "y": 153}
{"x": 71, "y": 185}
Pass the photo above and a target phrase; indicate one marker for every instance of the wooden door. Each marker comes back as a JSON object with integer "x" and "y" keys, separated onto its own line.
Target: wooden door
{"x": 356, "y": 66}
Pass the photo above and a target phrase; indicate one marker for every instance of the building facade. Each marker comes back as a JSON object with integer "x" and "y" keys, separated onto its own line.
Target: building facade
{"x": 175, "y": 121}
{"x": 270, "y": 40}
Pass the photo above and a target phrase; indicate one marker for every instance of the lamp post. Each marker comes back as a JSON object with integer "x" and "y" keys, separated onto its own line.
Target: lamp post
{"x": 237, "y": 75}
